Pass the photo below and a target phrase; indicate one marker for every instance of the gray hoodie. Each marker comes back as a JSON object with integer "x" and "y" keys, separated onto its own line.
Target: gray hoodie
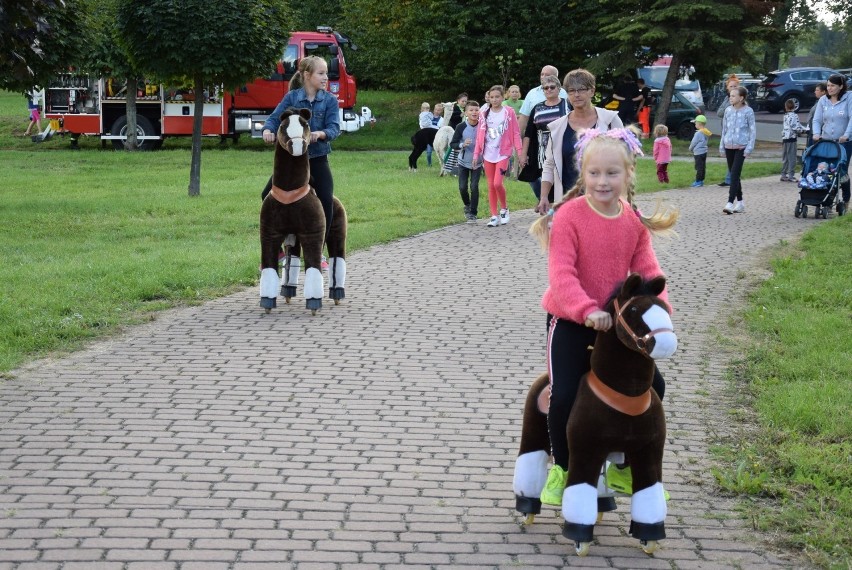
{"x": 832, "y": 120}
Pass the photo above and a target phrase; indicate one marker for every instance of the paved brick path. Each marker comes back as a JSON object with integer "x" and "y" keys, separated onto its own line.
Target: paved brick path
{"x": 379, "y": 434}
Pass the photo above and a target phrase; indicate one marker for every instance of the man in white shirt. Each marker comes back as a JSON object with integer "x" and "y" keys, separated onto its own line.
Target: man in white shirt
{"x": 536, "y": 95}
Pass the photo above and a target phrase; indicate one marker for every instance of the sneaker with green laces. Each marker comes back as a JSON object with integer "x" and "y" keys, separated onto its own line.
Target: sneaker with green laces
{"x": 620, "y": 480}
{"x": 557, "y": 478}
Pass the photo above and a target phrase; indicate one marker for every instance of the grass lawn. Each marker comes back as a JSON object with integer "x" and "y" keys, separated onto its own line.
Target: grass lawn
{"x": 794, "y": 373}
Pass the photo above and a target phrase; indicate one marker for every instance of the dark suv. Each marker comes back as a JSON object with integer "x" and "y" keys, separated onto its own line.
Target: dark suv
{"x": 795, "y": 84}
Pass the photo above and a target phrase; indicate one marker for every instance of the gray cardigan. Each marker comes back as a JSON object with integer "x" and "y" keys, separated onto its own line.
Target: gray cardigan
{"x": 831, "y": 120}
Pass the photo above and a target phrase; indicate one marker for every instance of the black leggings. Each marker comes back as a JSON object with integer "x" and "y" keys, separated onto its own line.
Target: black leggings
{"x": 322, "y": 183}
{"x": 735, "y": 158}
{"x": 569, "y": 359}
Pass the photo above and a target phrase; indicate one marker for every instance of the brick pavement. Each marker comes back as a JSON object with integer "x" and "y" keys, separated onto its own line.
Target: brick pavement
{"x": 380, "y": 434}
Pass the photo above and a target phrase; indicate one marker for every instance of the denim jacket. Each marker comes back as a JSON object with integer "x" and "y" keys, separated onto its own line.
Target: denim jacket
{"x": 324, "y": 117}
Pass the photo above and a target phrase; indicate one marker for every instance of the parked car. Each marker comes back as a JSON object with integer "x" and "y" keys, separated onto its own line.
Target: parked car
{"x": 714, "y": 97}
{"x": 655, "y": 77}
{"x": 681, "y": 114}
{"x": 795, "y": 84}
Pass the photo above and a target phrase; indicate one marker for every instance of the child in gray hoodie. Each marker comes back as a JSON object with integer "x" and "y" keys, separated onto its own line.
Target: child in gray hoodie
{"x": 698, "y": 146}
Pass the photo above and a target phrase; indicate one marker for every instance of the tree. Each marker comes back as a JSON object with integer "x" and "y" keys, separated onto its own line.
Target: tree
{"x": 705, "y": 34}
{"x": 229, "y": 43}
{"x": 452, "y": 45}
{"x": 37, "y": 39}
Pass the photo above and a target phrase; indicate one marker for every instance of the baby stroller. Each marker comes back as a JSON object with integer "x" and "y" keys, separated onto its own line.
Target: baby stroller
{"x": 823, "y": 165}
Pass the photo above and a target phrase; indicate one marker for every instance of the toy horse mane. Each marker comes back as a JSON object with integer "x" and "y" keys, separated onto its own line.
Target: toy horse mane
{"x": 291, "y": 169}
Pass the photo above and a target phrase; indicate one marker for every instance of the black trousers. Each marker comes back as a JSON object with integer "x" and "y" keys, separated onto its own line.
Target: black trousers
{"x": 700, "y": 167}
{"x": 472, "y": 199}
{"x": 735, "y": 158}
{"x": 322, "y": 183}
{"x": 569, "y": 357}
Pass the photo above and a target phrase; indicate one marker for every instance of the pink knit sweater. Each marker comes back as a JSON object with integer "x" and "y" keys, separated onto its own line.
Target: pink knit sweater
{"x": 590, "y": 254}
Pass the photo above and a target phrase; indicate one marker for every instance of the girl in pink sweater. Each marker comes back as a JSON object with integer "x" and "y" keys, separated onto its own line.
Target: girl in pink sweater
{"x": 497, "y": 136}
{"x": 662, "y": 152}
{"x": 593, "y": 243}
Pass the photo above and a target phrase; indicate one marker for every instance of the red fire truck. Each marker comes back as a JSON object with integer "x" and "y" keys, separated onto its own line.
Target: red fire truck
{"x": 83, "y": 105}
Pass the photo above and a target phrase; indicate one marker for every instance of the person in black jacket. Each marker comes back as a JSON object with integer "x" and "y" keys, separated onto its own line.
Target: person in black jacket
{"x": 458, "y": 110}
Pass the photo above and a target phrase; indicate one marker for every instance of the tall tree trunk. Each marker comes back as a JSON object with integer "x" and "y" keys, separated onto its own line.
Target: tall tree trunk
{"x": 195, "y": 166}
{"x": 130, "y": 109}
{"x": 662, "y": 111}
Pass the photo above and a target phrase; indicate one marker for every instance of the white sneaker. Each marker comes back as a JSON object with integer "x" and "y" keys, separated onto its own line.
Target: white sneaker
{"x": 493, "y": 222}
{"x": 729, "y": 208}
{"x": 739, "y": 207}
{"x": 504, "y": 216}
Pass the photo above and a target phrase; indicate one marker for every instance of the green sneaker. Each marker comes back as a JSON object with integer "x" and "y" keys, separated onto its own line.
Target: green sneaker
{"x": 557, "y": 478}
{"x": 620, "y": 480}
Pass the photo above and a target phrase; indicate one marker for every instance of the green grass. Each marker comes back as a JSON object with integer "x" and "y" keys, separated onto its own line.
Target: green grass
{"x": 795, "y": 369}
{"x": 95, "y": 239}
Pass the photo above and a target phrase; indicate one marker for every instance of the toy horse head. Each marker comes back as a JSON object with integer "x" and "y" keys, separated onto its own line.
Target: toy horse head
{"x": 641, "y": 319}
{"x": 294, "y": 133}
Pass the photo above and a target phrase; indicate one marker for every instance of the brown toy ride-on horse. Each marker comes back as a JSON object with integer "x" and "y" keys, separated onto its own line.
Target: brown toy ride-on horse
{"x": 615, "y": 411}
{"x": 292, "y": 215}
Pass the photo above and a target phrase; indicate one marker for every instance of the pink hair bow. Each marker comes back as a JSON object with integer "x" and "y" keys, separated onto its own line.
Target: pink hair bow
{"x": 625, "y": 135}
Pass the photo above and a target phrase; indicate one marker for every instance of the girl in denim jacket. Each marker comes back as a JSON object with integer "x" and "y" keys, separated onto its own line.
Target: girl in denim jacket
{"x": 308, "y": 91}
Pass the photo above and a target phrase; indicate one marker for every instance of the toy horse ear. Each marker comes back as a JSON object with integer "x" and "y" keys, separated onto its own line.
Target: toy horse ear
{"x": 656, "y": 285}
{"x": 305, "y": 113}
{"x": 631, "y": 284}
{"x": 287, "y": 112}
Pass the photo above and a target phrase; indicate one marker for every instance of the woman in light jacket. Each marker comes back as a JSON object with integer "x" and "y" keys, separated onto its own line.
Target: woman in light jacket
{"x": 559, "y": 170}
{"x": 832, "y": 122}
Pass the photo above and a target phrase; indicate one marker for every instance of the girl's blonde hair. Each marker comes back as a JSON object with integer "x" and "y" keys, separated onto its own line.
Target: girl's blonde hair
{"x": 660, "y": 222}
{"x": 661, "y": 131}
{"x": 307, "y": 64}
{"x": 424, "y": 106}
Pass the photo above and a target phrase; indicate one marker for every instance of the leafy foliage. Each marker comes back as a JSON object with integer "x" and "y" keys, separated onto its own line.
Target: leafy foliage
{"x": 232, "y": 42}
{"x": 37, "y": 39}
{"x": 452, "y": 46}
{"x": 705, "y": 34}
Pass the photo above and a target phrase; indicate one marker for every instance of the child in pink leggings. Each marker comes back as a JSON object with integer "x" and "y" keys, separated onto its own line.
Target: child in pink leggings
{"x": 497, "y": 136}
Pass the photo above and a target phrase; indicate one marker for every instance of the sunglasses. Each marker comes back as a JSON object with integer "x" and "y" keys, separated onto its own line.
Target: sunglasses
{"x": 550, "y": 87}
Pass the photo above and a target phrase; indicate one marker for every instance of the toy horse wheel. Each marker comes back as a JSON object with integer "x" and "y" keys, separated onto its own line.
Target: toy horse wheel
{"x": 649, "y": 546}
{"x": 287, "y": 300}
{"x": 267, "y": 310}
{"x": 313, "y": 312}
{"x": 337, "y": 301}
{"x": 582, "y": 548}
{"x": 530, "y": 518}
{"x": 600, "y": 518}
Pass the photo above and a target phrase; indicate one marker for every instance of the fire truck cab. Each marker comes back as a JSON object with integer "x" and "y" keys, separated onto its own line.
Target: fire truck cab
{"x": 83, "y": 105}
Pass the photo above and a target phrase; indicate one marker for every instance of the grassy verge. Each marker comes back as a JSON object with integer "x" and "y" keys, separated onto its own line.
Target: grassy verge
{"x": 795, "y": 374}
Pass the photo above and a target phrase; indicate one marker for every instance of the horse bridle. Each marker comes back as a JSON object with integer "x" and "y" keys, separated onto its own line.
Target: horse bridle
{"x": 641, "y": 341}
{"x": 288, "y": 146}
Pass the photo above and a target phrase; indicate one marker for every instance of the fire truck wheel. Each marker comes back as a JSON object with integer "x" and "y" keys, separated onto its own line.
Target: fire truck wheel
{"x": 143, "y": 128}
